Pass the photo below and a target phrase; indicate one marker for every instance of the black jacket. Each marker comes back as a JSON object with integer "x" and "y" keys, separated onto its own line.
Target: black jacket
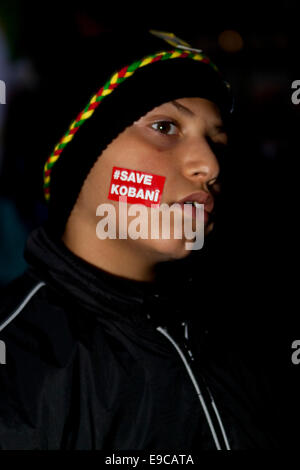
{"x": 94, "y": 361}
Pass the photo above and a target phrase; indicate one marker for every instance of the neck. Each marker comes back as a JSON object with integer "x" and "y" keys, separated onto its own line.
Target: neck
{"x": 120, "y": 257}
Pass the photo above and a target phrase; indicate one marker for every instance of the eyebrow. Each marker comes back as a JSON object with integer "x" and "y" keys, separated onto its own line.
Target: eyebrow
{"x": 180, "y": 107}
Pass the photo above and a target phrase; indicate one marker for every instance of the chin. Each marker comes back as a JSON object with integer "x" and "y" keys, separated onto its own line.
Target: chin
{"x": 173, "y": 248}
{"x": 168, "y": 250}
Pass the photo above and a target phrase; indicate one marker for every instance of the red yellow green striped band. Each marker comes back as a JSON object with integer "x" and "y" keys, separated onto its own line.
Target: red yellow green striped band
{"x": 115, "y": 80}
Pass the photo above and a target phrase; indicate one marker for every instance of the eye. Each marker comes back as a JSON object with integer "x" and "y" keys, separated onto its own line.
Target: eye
{"x": 165, "y": 127}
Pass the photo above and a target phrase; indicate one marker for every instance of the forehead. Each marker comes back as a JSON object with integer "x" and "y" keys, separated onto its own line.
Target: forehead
{"x": 193, "y": 108}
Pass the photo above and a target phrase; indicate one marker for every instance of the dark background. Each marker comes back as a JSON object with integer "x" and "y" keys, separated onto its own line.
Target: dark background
{"x": 252, "y": 269}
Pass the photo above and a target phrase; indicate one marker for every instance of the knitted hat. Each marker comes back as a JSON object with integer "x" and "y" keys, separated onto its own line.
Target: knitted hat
{"x": 128, "y": 76}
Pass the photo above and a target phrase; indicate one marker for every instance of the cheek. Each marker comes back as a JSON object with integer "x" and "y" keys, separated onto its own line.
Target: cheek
{"x": 95, "y": 188}
{"x": 127, "y": 152}
{"x": 138, "y": 155}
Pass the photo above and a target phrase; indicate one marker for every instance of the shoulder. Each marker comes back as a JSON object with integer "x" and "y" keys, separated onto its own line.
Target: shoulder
{"x": 38, "y": 348}
{"x": 34, "y": 317}
{"x": 15, "y": 297}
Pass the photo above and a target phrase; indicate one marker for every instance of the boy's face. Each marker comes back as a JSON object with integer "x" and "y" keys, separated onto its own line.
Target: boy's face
{"x": 176, "y": 140}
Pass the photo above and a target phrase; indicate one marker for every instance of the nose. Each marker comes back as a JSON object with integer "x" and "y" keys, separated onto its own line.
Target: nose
{"x": 199, "y": 162}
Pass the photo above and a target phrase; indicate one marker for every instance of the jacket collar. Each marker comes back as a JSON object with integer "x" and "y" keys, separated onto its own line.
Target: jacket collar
{"x": 98, "y": 291}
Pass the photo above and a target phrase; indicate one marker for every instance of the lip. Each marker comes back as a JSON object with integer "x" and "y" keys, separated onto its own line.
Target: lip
{"x": 206, "y": 214}
{"x": 202, "y": 198}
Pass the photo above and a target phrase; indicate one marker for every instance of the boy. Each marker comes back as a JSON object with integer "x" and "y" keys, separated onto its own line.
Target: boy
{"x": 102, "y": 353}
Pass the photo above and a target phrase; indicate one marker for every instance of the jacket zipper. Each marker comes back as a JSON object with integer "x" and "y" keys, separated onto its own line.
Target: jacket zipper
{"x": 199, "y": 393}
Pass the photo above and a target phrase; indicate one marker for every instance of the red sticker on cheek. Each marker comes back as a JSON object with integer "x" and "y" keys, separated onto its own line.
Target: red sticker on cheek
{"x": 139, "y": 187}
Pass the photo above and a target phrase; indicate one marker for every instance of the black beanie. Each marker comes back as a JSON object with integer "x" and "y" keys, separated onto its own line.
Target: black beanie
{"x": 149, "y": 87}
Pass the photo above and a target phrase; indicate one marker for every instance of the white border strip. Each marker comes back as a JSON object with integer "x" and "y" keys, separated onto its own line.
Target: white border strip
{"x": 192, "y": 377}
{"x": 219, "y": 419}
{"x": 22, "y": 305}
